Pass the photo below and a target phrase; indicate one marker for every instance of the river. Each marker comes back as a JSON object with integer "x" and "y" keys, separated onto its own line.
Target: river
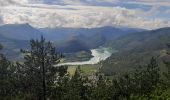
{"x": 99, "y": 54}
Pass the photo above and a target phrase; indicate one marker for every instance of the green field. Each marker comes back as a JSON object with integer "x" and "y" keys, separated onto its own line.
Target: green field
{"x": 86, "y": 69}
{"x": 71, "y": 70}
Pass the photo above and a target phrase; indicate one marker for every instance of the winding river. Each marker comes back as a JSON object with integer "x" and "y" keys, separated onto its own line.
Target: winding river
{"x": 99, "y": 54}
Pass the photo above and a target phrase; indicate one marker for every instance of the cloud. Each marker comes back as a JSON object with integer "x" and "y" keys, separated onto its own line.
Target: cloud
{"x": 1, "y": 20}
{"x": 87, "y": 2}
{"x": 18, "y": 2}
{"x": 79, "y": 14}
{"x": 149, "y": 2}
{"x": 167, "y": 11}
{"x": 74, "y": 2}
{"x": 7, "y": 2}
{"x": 84, "y": 16}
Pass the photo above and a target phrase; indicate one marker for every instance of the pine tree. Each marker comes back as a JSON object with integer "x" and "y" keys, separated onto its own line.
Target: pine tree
{"x": 146, "y": 78}
{"x": 167, "y": 74}
{"x": 7, "y": 70}
{"x": 1, "y": 46}
{"x": 75, "y": 85}
{"x": 39, "y": 68}
{"x": 123, "y": 87}
{"x": 153, "y": 72}
{"x": 79, "y": 87}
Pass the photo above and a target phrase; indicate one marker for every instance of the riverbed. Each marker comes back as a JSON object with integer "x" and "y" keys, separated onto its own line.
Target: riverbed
{"x": 99, "y": 54}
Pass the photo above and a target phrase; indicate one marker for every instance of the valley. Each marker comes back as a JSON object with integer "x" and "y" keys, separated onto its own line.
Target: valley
{"x": 84, "y": 49}
{"x": 74, "y": 43}
{"x": 99, "y": 54}
{"x": 87, "y": 46}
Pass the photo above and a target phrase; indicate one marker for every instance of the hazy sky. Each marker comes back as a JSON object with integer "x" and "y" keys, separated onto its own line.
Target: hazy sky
{"x": 148, "y": 14}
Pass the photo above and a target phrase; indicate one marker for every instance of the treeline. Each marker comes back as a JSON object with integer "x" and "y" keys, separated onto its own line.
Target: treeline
{"x": 37, "y": 78}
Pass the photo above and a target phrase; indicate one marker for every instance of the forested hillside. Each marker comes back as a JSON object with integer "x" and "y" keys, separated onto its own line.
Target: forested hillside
{"x": 84, "y": 49}
{"x": 66, "y": 40}
{"x": 37, "y": 78}
{"x": 136, "y": 49}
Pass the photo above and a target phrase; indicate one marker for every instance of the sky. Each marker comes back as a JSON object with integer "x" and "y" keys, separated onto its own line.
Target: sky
{"x": 145, "y": 14}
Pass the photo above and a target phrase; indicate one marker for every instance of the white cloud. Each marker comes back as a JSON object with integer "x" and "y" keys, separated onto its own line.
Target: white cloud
{"x": 67, "y": 2}
{"x": 18, "y": 2}
{"x": 74, "y": 2}
{"x": 84, "y": 16}
{"x": 44, "y": 15}
{"x": 109, "y": 1}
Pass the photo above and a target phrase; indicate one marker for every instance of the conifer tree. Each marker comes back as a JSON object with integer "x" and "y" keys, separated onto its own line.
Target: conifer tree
{"x": 1, "y": 46}
{"x": 146, "y": 78}
{"x": 7, "y": 70}
{"x": 153, "y": 72}
{"x": 39, "y": 68}
{"x": 75, "y": 85}
{"x": 167, "y": 74}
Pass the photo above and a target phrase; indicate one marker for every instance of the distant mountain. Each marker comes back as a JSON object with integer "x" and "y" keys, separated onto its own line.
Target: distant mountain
{"x": 16, "y": 36}
{"x": 72, "y": 46}
{"x": 19, "y": 32}
{"x": 78, "y": 42}
{"x": 136, "y": 49}
{"x": 91, "y": 38}
{"x": 12, "y": 47}
{"x": 59, "y": 34}
{"x": 143, "y": 41}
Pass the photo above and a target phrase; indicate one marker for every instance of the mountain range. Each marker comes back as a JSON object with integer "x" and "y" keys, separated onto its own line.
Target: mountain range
{"x": 136, "y": 49}
{"x": 67, "y": 40}
{"x": 135, "y": 46}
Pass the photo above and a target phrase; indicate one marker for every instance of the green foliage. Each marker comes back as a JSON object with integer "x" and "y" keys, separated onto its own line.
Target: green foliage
{"x": 78, "y": 87}
{"x": 38, "y": 68}
{"x": 1, "y": 46}
{"x": 37, "y": 78}
{"x": 167, "y": 74}
{"x": 136, "y": 49}
{"x": 147, "y": 78}
{"x": 7, "y": 79}
{"x": 7, "y": 70}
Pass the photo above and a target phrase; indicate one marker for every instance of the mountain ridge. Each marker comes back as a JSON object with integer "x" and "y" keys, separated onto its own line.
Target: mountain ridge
{"x": 16, "y": 36}
{"x": 137, "y": 49}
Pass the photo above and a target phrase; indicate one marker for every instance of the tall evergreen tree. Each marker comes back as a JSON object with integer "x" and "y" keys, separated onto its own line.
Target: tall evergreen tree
{"x": 1, "y": 46}
{"x": 7, "y": 70}
{"x": 153, "y": 72}
{"x": 146, "y": 78}
{"x": 123, "y": 87}
{"x": 75, "y": 85}
{"x": 167, "y": 74}
{"x": 39, "y": 68}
